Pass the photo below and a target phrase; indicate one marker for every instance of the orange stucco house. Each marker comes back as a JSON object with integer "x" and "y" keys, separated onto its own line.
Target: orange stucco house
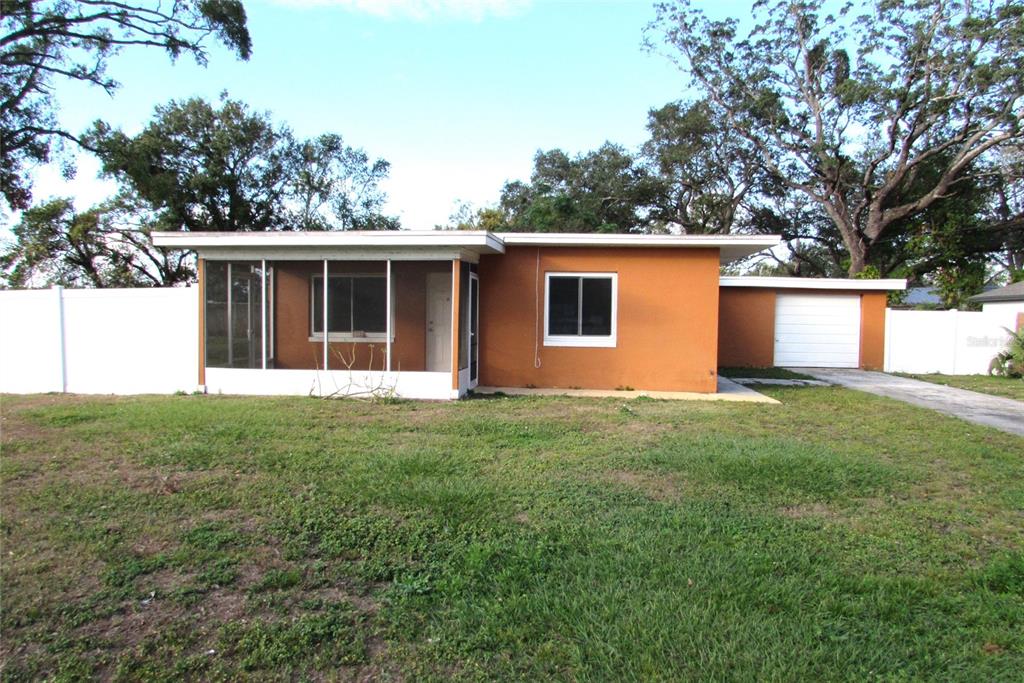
{"x": 434, "y": 314}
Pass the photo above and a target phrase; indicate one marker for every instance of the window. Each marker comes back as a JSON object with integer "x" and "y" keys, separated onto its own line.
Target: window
{"x": 580, "y": 309}
{"x": 356, "y": 306}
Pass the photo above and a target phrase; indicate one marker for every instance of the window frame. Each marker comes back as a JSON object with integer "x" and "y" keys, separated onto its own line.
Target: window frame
{"x": 582, "y": 340}
{"x": 369, "y": 337}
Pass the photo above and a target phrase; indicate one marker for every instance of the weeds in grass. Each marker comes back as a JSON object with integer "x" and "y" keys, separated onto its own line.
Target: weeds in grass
{"x": 838, "y": 536}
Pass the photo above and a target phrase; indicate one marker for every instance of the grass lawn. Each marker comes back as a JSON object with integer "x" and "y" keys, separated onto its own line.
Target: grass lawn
{"x": 838, "y": 536}
{"x": 1008, "y": 387}
{"x": 762, "y": 373}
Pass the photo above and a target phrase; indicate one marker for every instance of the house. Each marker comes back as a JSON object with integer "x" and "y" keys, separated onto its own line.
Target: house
{"x": 433, "y": 314}
{"x": 1004, "y": 303}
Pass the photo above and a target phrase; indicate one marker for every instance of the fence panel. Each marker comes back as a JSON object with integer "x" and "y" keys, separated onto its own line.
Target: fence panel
{"x": 947, "y": 342}
{"x": 99, "y": 341}
{"x": 31, "y": 341}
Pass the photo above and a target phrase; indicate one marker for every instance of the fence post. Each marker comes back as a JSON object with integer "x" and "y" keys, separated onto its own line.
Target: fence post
{"x": 956, "y": 338}
{"x": 62, "y": 378}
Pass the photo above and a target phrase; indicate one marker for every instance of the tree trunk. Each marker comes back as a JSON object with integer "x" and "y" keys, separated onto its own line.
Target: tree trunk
{"x": 858, "y": 256}
{"x": 852, "y": 238}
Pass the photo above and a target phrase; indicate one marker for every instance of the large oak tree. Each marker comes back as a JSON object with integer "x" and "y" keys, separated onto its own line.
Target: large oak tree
{"x": 226, "y": 168}
{"x": 197, "y": 167}
{"x": 849, "y": 108}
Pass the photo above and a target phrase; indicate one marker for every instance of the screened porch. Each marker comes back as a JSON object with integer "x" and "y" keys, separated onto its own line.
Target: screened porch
{"x": 337, "y": 327}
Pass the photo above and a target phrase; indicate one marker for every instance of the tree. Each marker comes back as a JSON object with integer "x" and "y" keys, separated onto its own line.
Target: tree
{"x": 199, "y": 168}
{"x": 951, "y": 239}
{"x": 607, "y": 190}
{"x": 1008, "y": 209}
{"x": 202, "y": 168}
{"x": 47, "y": 41}
{"x": 852, "y": 132}
{"x": 101, "y": 247}
{"x": 334, "y": 186}
{"x": 708, "y": 174}
{"x": 465, "y": 217}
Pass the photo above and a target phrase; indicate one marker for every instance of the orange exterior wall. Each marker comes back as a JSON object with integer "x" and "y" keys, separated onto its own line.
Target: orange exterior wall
{"x": 872, "y": 330}
{"x": 294, "y": 350}
{"x": 667, "y": 327}
{"x": 746, "y": 327}
{"x": 746, "y": 335}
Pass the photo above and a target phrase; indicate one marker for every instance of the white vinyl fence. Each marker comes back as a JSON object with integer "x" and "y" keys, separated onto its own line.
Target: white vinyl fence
{"x": 947, "y": 342}
{"x": 99, "y": 341}
{"x": 144, "y": 341}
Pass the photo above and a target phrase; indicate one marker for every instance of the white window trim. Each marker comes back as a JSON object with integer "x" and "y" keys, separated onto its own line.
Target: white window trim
{"x": 598, "y": 341}
{"x": 367, "y": 338}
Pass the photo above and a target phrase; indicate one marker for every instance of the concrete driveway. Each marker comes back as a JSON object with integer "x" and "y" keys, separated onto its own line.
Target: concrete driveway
{"x": 993, "y": 411}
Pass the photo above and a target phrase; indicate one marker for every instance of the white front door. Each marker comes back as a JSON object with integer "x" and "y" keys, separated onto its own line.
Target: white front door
{"x": 817, "y": 330}
{"x": 439, "y": 322}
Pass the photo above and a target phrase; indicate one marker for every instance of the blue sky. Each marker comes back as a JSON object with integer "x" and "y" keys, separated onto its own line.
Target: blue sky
{"x": 457, "y": 95}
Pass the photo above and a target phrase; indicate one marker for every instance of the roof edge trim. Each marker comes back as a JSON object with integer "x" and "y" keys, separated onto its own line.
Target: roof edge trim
{"x": 849, "y": 284}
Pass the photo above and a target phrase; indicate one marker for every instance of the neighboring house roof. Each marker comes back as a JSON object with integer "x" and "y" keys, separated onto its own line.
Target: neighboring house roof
{"x": 1011, "y": 292}
{"x": 236, "y": 244}
{"x": 812, "y": 283}
{"x": 917, "y": 296}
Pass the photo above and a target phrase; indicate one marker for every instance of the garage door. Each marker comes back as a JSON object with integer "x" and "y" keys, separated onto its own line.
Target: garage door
{"x": 817, "y": 330}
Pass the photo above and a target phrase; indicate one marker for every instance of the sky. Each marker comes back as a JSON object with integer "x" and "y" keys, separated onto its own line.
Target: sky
{"x": 458, "y": 95}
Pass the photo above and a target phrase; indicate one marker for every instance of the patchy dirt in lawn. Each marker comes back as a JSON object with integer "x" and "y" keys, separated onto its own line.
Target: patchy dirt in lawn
{"x": 656, "y": 486}
{"x": 810, "y": 510}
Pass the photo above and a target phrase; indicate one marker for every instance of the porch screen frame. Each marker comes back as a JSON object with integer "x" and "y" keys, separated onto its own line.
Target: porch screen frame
{"x": 258, "y": 331}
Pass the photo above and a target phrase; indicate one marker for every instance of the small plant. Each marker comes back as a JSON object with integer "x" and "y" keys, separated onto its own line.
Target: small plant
{"x": 1010, "y": 361}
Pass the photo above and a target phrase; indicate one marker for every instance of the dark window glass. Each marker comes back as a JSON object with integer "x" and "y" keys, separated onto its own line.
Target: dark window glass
{"x": 563, "y": 305}
{"x": 596, "y": 316}
{"x": 216, "y": 319}
{"x": 234, "y": 333}
{"x": 354, "y": 303}
{"x": 580, "y": 306}
{"x": 318, "y": 304}
{"x": 369, "y": 304}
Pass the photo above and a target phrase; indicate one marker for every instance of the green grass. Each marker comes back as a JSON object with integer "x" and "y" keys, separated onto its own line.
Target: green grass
{"x": 837, "y": 536}
{"x": 1008, "y": 387}
{"x": 762, "y": 373}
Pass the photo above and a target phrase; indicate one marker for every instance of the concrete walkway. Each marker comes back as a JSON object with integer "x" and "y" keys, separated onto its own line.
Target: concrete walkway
{"x": 727, "y": 391}
{"x": 1004, "y": 414}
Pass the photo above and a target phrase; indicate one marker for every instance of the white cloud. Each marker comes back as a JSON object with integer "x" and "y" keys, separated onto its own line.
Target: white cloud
{"x": 422, "y": 10}
{"x": 425, "y": 193}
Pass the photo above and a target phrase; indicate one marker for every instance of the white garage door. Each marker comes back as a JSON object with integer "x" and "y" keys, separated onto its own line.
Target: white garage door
{"x": 817, "y": 330}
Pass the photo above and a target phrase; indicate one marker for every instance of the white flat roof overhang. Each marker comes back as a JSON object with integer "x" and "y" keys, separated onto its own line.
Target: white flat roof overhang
{"x": 731, "y": 247}
{"x": 434, "y": 244}
{"x": 812, "y": 283}
{"x": 347, "y": 245}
